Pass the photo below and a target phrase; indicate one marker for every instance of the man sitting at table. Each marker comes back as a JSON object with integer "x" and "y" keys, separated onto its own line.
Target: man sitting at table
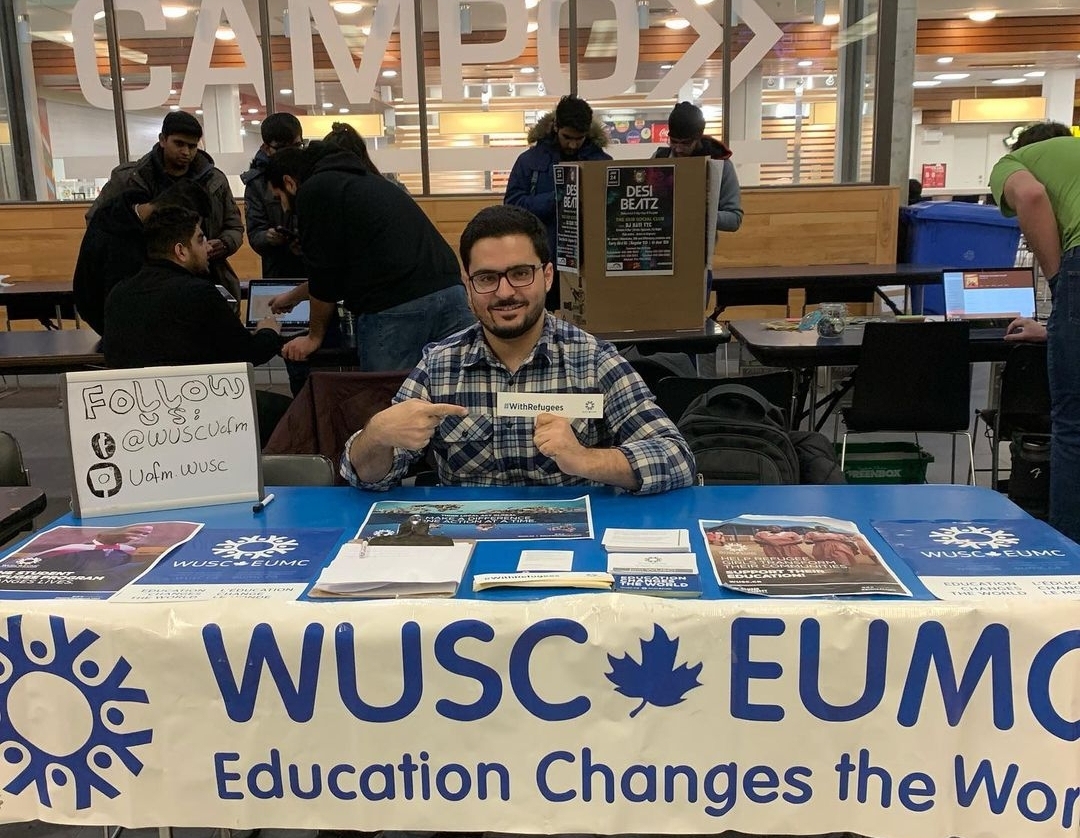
{"x": 169, "y": 315}
{"x": 449, "y": 399}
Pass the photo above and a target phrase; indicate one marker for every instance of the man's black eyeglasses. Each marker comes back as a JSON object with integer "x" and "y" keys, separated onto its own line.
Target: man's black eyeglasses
{"x": 279, "y": 146}
{"x": 519, "y": 276}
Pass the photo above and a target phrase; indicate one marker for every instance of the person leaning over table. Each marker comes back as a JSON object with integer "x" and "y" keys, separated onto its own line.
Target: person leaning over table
{"x": 1037, "y": 182}
{"x": 448, "y": 401}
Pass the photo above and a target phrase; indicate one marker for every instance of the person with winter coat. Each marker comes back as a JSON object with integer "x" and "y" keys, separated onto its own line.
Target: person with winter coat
{"x": 176, "y": 156}
{"x": 687, "y": 138}
{"x": 268, "y": 229}
{"x": 564, "y": 135}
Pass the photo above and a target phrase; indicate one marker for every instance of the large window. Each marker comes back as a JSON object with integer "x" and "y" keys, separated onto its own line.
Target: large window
{"x": 446, "y": 95}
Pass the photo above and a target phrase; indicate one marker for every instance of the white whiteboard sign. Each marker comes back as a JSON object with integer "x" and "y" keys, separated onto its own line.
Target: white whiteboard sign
{"x": 162, "y": 438}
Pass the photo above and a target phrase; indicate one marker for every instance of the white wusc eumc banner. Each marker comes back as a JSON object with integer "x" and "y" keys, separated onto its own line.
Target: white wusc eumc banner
{"x": 558, "y": 716}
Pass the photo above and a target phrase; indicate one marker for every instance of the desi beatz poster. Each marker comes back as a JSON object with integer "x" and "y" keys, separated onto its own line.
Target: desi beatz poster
{"x": 567, "y": 219}
{"x": 640, "y": 209}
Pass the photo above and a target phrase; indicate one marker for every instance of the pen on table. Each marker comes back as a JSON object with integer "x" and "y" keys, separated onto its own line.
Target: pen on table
{"x": 261, "y": 505}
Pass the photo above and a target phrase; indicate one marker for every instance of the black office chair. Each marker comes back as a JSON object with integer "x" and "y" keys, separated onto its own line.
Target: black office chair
{"x": 13, "y": 472}
{"x": 674, "y": 393}
{"x": 1023, "y": 403}
{"x": 652, "y": 368}
{"x": 297, "y": 470}
{"x": 912, "y": 377}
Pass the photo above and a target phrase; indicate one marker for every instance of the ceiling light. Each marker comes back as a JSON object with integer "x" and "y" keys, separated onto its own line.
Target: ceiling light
{"x": 225, "y": 33}
{"x": 703, "y": 2}
{"x": 342, "y": 110}
{"x": 174, "y": 107}
{"x": 532, "y": 27}
{"x": 531, "y": 4}
{"x": 1035, "y": 74}
{"x": 174, "y": 12}
{"x": 676, "y": 23}
{"x": 666, "y": 66}
{"x": 831, "y": 20}
{"x": 344, "y": 8}
{"x": 981, "y": 15}
{"x": 365, "y": 30}
{"x": 951, "y": 76}
{"x": 199, "y": 111}
{"x": 256, "y": 122}
{"x": 925, "y": 83}
{"x": 69, "y": 38}
{"x": 1009, "y": 81}
{"x": 806, "y": 62}
{"x": 99, "y": 16}
{"x": 528, "y": 71}
{"x": 328, "y": 105}
{"x": 285, "y": 91}
{"x": 389, "y": 74}
{"x": 945, "y": 59}
{"x": 253, "y": 110}
{"x": 172, "y": 92}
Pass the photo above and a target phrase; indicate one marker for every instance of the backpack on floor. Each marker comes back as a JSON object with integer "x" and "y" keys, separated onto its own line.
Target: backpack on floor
{"x": 739, "y": 437}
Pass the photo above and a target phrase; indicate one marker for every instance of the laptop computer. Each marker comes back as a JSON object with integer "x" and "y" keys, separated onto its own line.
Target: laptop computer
{"x": 261, "y": 291}
{"x": 989, "y": 298}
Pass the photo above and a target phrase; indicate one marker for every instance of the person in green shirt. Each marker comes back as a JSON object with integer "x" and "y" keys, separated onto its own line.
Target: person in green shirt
{"x": 1039, "y": 183}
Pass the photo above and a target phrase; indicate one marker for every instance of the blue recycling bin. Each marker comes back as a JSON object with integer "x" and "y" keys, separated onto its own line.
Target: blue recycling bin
{"x": 954, "y": 235}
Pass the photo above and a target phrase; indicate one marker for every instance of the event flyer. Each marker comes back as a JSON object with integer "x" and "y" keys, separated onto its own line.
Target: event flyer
{"x": 93, "y": 561}
{"x": 250, "y": 563}
{"x": 987, "y": 558}
{"x": 567, "y": 219}
{"x": 640, "y": 212}
{"x": 484, "y": 520}
{"x": 796, "y": 556}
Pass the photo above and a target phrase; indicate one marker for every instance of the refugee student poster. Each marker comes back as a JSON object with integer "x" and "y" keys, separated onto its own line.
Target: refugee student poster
{"x": 567, "y": 219}
{"x": 640, "y": 210}
{"x": 162, "y": 438}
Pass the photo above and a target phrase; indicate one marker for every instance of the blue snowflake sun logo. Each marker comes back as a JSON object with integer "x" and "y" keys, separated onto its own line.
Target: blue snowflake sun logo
{"x": 88, "y": 741}
{"x": 655, "y": 680}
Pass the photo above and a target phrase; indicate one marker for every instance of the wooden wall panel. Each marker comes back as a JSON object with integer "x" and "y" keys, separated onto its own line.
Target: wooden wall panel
{"x": 792, "y": 226}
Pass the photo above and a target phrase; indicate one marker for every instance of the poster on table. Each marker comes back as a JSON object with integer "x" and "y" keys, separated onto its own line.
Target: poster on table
{"x": 639, "y": 221}
{"x": 253, "y": 563}
{"x": 162, "y": 438}
{"x": 796, "y": 556}
{"x": 987, "y": 558}
{"x": 593, "y": 713}
{"x": 92, "y": 561}
{"x": 567, "y": 218}
{"x": 481, "y": 520}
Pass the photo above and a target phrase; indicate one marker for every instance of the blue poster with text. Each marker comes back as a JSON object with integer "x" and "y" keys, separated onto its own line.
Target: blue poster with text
{"x": 1013, "y": 547}
{"x": 237, "y": 556}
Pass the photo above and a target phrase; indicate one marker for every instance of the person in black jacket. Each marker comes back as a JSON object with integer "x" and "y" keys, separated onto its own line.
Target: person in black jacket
{"x": 269, "y": 231}
{"x": 112, "y": 248}
{"x": 367, "y": 242}
{"x": 167, "y": 314}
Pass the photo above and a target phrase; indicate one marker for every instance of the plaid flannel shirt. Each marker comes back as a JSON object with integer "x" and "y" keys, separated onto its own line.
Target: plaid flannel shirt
{"x": 482, "y": 449}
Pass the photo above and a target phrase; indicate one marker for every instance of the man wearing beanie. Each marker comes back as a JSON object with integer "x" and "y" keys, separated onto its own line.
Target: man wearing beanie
{"x": 563, "y": 136}
{"x": 686, "y": 138}
{"x": 177, "y": 156}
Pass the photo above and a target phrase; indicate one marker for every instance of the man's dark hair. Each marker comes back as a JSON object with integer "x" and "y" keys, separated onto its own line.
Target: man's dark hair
{"x": 500, "y": 220}
{"x": 280, "y": 130}
{"x": 167, "y": 227}
{"x": 181, "y": 122}
{"x": 297, "y": 163}
{"x": 914, "y": 191}
{"x": 185, "y": 193}
{"x": 342, "y": 135}
{"x": 1040, "y": 131}
{"x": 685, "y": 121}
{"x": 573, "y": 113}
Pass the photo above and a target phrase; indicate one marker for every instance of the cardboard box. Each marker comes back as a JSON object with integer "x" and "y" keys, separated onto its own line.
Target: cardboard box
{"x": 638, "y": 259}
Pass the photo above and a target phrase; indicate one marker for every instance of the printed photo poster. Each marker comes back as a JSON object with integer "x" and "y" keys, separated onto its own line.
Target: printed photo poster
{"x": 567, "y": 219}
{"x": 640, "y": 213}
{"x": 987, "y": 558}
{"x": 253, "y": 563}
{"x": 481, "y": 520}
{"x": 796, "y": 556}
{"x": 91, "y": 561}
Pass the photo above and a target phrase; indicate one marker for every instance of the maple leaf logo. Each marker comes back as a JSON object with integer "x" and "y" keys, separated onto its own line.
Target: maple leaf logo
{"x": 655, "y": 680}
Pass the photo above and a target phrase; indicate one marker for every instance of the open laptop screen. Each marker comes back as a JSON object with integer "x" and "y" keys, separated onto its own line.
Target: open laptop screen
{"x": 260, "y": 292}
{"x": 989, "y": 293}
